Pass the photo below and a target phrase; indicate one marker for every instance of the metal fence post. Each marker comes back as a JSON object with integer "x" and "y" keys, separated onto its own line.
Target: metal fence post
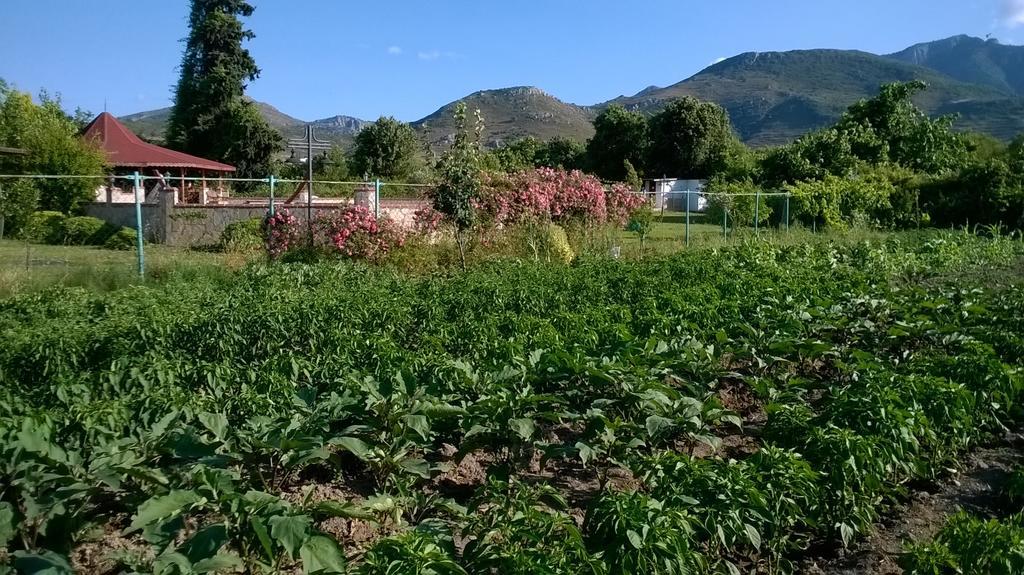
{"x": 138, "y": 224}
{"x": 376, "y": 198}
{"x": 787, "y": 211}
{"x": 725, "y": 223}
{"x": 687, "y": 216}
{"x": 272, "y": 182}
{"x": 757, "y": 212}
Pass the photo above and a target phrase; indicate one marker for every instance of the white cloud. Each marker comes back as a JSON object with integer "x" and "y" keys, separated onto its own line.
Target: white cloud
{"x": 431, "y": 55}
{"x": 1012, "y": 12}
{"x": 395, "y": 50}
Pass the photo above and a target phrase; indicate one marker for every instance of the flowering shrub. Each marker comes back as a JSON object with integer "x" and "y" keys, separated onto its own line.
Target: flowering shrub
{"x": 426, "y": 220}
{"x": 555, "y": 195}
{"x": 622, "y": 201}
{"x": 356, "y": 233}
{"x": 282, "y": 232}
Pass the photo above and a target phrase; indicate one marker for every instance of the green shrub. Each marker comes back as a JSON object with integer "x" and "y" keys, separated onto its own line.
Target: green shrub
{"x": 86, "y": 231}
{"x": 124, "y": 239}
{"x": 243, "y": 236}
{"x": 739, "y": 199}
{"x": 45, "y": 227}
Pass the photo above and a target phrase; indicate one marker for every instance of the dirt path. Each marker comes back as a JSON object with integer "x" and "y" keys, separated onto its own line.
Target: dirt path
{"x": 975, "y": 489}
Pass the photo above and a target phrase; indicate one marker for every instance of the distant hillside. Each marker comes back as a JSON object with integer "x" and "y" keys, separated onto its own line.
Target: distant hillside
{"x": 972, "y": 60}
{"x": 774, "y": 97}
{"x": 339, "y": 129}
{"x": 510, "y": 114}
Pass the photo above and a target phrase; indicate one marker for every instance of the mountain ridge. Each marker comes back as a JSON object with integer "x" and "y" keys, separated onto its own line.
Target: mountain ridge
{"x": 772, "y": 97}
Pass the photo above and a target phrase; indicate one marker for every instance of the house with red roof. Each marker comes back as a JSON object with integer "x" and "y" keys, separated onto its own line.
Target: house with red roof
{"x": 127, "y": 153}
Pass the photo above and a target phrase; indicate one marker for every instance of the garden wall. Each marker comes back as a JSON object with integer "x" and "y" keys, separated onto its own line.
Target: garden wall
{"x": 195, "y": 225}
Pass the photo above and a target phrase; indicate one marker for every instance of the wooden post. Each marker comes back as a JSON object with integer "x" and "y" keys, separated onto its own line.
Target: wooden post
{"x": 202, "y": 174}
{"x": 182, "y": 186}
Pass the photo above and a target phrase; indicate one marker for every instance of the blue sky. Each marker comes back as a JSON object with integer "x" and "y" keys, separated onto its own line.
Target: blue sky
{"x": 407, "y": 58}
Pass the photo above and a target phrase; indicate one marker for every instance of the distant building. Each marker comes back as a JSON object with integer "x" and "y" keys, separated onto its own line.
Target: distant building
{"x": 672, "y": 194}
{"x": 128, "y": 153}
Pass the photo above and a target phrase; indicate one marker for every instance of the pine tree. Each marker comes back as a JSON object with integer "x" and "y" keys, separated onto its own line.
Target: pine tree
{"x": 211, "y": 118}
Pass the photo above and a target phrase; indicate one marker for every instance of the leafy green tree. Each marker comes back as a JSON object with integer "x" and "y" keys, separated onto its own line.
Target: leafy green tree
{"x": 690, "y": 139}
{"x": 388, "y": 150}
{"x": 632, "y": 178}
{"x": 619, "y": 135}
{"x": 459, "y": 175}
{"x": 51, "y": 138}
{"x": 902, "y": 133}
{"x": 518, "y": 155}
{"x": 332, "y": 167}
{"x": 211, "y": 118}
{"x": 561, "y": 153}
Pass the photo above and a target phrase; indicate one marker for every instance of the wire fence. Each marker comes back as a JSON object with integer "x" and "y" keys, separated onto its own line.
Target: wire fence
{"x": 681, "y": 215}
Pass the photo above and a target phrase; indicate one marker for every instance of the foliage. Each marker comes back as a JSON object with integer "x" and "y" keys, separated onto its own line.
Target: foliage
{"x": 123, "y": 239}
{"x": 18, "y": 199}
{"x": 984, "y": 192}
{"x": 357, "y": 234}
{"x": 45, "y": 227}
{"x": 387, "y": 149}
{"x": 971, "y": 546}
{"x": 282, "y": 232}
{"x": 243, "y": 236}
{"x": 86, "y": 231}
{"x": 739, "y": 199}
{"x": 211, "y": 118}
{"x": 619, "y": 135}
{"x": 641, "y": 222}
{"x": 51, "y": 138}
{"x": 230, "y": 425}
{"x": 459, "y": 173}
{"x": 690, "y": 139}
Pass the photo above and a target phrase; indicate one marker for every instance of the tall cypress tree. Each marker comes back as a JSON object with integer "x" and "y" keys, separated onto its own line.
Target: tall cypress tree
{"x": 211, "y": 118}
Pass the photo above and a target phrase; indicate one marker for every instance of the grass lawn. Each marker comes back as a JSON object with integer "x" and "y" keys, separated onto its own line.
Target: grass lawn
{"x": 29, "y": 267}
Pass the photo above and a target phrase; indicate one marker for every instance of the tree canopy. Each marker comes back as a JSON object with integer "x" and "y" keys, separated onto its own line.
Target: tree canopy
{"x": 619, "y": 135}
{"x": 51, "y": 137}
{"x": 690, "y": 139}
{"x": 387, "y": 149}
{"x": 211, "y": 118}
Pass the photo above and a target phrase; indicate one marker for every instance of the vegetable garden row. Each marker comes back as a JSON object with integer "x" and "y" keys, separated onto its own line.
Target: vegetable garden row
{"x": 708, "y": 412}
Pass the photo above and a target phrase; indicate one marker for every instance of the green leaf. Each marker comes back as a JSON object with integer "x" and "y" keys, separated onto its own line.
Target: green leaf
{"x": 321, "y": 555}
{"x": 587, "y": 453}
{"x": 217, "y": 423}
{"x": 345, "y": 509}
{"x": 635, "y": 539}
{"x": 290, "y": 531}
{"x": 753, "y": 536}
{"x": 7, "y": 527}
{"x": 418, "y": 467}
{"x": 524, "y": 428}
{"x": 419, "y": 424}
{"x": 217, "y": 563}
{"x": 163, "y": 507}
{"x": 45, "y": 563}
{"x": 261, "y": 533}
{"x": 206, "y": 542}
{"x": 846, "y": 533}
{"x": 355, "y": 446}
{"x": 657, "y": 425}
{"x": 167, "y": 559}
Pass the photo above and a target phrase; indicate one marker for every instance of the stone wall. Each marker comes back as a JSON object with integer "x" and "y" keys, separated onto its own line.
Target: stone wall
{"x": 198, "y": 225}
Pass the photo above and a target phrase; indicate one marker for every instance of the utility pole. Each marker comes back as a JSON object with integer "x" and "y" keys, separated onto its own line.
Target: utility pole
{"x": 309, "y": 143}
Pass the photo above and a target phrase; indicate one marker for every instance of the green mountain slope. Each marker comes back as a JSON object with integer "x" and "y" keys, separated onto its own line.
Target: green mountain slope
{"x": 972, "y": 60}
{"x": 509, "y": 114}
{"x": 774, "y": 97}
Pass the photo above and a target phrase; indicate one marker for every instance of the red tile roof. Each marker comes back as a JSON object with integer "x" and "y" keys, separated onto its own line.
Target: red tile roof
{"x": 125, "y": 149}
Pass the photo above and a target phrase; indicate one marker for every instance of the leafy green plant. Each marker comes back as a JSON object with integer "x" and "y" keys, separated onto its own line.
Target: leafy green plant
{"x": 634, "y": 533}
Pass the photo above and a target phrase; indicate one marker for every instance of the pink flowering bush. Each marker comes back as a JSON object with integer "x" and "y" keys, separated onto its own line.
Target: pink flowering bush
{"x": 555, "y": 195}
{"x": 426, "y": 220}
{"x": 356, "y": 233}
{"x": 282, "y": 233}
{"x": 622, "y": 201}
